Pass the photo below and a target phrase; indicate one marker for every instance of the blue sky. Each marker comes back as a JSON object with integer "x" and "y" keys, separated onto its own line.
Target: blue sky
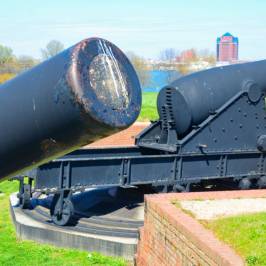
{"x": 145, "y": 27}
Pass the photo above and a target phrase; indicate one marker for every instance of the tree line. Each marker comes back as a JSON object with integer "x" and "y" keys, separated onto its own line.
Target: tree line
{"x": 11, "y": 65}
{"x": 174, "y": 61}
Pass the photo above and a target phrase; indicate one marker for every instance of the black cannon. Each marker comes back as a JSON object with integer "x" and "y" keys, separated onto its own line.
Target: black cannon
{"x": 212, "y": 128}
{"x": 190, "y": 100}
{"x": 82, "y": 94}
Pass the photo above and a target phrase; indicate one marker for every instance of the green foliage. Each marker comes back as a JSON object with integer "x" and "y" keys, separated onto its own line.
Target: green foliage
{"x": 28, "y": 253}
{"x": 6, "y": 54}
{"x": 149, "y": 107}
{"x": 52, "y": 48}
{"x": 245, "y": 233}
{"x": 26, "y": 62}
{"x": 141, "y": 67}
{"x": 10, "y": 64}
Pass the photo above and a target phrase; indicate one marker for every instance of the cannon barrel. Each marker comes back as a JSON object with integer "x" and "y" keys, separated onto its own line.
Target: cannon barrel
{"x": 86, "y": 92}
{"x": 192, "y": 98}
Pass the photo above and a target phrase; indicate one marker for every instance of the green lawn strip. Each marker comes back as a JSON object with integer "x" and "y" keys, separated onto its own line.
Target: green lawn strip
{"x": 16, "y": 252}
{"x": 149, "y": 107}
{"x": 245, "y": 233}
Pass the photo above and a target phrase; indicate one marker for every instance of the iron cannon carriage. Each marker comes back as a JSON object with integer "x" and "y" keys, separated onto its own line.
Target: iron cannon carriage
{"x": 211, "y": 128}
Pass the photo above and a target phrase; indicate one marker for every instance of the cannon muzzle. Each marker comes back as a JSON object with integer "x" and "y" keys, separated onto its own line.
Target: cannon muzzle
{"x": 86, "y": 92}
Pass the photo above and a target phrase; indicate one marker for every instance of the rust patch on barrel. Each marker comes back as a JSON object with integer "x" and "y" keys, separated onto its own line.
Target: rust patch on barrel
{"x": 73, "y": 76}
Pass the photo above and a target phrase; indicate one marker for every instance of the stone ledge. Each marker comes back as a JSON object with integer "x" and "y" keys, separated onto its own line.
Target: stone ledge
{"x": 30, "y": 229}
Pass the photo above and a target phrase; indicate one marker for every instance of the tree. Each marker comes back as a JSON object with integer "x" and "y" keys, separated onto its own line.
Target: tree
{"x": 7, "y": 60}
{"x": 141, "y": 68}
{"x": 6, "y": 54}
{"x": 52, "y": 48}
{"x": 168, "y": 54}
{"x": 183, "y": 68}
{"x": 207, "y": 56}
{"x": 26, "y": 62}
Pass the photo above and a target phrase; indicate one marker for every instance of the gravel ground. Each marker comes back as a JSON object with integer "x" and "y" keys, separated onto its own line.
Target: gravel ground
{"x": 212, "y": 209}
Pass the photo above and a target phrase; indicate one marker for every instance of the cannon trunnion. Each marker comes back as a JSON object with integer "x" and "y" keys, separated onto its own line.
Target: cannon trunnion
{"x": 212, "y": 128}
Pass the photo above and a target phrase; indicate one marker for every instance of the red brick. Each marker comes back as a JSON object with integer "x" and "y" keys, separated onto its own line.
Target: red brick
{"x": 173, "y": 237}
{"x": 123, "y": 138}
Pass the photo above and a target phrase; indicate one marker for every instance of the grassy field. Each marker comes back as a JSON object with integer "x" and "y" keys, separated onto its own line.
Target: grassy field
{"x": 149, "y": 107}
{"x": 17, "y": 253}
{"x": 245, "y": 233}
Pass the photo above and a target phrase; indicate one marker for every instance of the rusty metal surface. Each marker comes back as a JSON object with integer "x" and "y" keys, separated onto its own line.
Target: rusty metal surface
{"x": 87, "y": 92}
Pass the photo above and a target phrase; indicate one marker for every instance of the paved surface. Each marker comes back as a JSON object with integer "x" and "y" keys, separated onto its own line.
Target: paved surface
{"x": 212, "y": 209}
{"x": 106, "y": 221}
{"x": 123, "y": 138}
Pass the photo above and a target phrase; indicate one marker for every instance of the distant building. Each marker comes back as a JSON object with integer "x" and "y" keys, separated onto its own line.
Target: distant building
{"x": 227, "y": 48}
{"x": 187, "y": 56}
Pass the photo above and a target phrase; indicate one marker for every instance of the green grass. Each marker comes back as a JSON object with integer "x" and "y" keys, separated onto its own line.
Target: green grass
{"x": 149, "y": 107}
{"x": 245, "y": 233}
{"x": 18, "y": 253}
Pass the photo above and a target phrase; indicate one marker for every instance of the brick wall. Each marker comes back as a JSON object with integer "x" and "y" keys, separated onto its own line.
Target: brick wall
{"x": 171, "y": 237}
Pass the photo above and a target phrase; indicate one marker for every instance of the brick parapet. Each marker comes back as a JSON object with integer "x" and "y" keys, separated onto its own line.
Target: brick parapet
{"x": 172, "y": 237}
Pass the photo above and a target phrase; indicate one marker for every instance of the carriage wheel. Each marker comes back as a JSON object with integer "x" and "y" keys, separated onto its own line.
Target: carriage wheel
{"x": 62, "y": 210}
{"x": 25, "y": 196}
{"x": 261, "y": 183}
{"x": 244, "y": 183}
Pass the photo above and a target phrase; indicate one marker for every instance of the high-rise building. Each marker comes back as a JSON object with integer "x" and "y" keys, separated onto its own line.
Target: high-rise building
{"x": 227, "y": 48}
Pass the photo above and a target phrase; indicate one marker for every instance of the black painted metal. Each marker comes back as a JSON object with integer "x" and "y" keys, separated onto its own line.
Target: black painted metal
{"x": 84, "y": 93}
{"x": 224, "y": 139}
{"x": 194, "y": 97}
{"x": 148, "y": 169}
{"x": 101, "y": 216}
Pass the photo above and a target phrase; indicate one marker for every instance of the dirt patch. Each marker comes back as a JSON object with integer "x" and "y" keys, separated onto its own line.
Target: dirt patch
{"x": 123, "y": 138}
